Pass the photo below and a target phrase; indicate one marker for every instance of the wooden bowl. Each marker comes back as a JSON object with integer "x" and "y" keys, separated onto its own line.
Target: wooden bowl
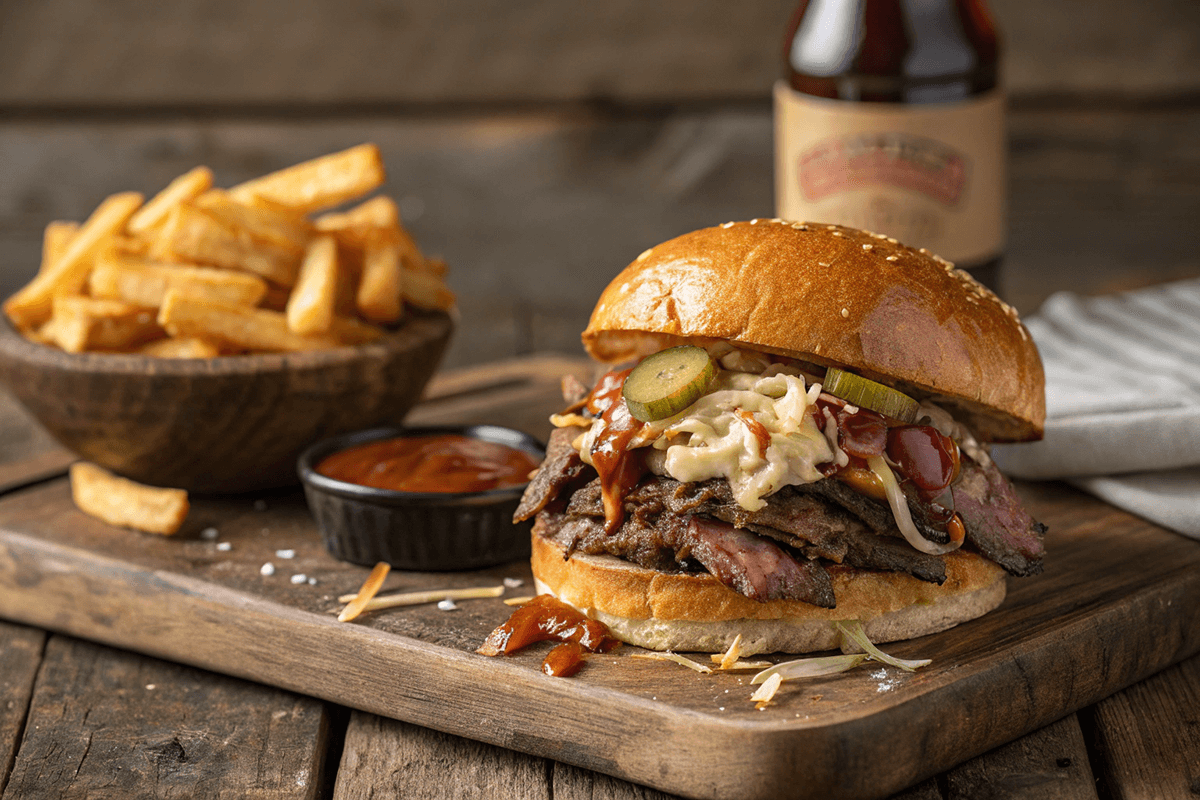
{"x": 229, "y": 424}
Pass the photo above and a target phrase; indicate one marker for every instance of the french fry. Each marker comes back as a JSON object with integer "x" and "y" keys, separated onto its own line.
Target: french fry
{"x": 262, "y": 220}
{"x": 32, "y": 305}
{"x": 145, "y": 283}
{"x": 55, "y": 240}
{"x": 118, "y": 501}
{"x": 379, "y": 296}
{"x": 426, "y": 290}
{"x": 236, "y": 326}
{"x": 320, "y": 183}
{"x": 311, "y": 305}
{"x": 352, "y": 331}
{"x": 180, "y": 347}
{"x": 378, "y": 212}
{"x": 194, "y": 235}
{"x": 186, "y": 187}
{"x": 87, "y": 323}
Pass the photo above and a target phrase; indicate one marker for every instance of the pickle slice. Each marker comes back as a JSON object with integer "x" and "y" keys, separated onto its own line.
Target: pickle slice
{"x": 866, "y": 393}
{"x": 668, "y": 382}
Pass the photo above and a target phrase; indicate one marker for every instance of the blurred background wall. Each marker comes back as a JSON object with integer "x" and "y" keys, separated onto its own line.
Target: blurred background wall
{"x": 540, "y": 145}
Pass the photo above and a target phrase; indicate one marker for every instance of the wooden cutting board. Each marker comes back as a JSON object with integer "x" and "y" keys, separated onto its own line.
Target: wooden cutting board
{"x": 1119, "y": 600}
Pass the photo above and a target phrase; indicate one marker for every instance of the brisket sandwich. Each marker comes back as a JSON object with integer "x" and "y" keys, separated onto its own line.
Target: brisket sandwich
{"x": 793, "y": 432}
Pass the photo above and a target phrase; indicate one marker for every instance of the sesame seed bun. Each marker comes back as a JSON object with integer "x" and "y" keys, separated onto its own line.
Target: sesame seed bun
{"x": 833, "y": 296}
{"x": 697, "y": 613}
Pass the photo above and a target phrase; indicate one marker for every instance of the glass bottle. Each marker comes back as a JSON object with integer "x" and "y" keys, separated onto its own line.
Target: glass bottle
{"x": 890, "y": 117}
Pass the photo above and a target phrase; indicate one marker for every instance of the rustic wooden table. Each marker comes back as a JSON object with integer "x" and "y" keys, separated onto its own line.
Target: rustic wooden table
{"x": 526, "y": 143}
{"x": 80, "y": 719}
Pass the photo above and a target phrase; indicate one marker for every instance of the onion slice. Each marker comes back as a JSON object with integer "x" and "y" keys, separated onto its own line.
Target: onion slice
{"x": 853, "y": 630}
{"x": 899, "y": 504}
{"x": 811, "y": 667}
{"x": 358, "y": 602}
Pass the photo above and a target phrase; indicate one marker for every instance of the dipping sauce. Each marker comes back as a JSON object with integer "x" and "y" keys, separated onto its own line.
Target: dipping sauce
{"x": 443, "y": 463}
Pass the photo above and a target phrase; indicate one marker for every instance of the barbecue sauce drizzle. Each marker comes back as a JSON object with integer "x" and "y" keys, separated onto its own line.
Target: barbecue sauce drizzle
{"x": 619, "y": 467}
{"x": 546, "y": 618}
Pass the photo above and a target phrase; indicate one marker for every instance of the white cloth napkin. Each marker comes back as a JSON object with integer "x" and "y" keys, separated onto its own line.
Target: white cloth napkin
{"x": 1122, "y": 401}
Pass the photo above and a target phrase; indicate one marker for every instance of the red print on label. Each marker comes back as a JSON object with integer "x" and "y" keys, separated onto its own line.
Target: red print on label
{"x": 872, "y": 159}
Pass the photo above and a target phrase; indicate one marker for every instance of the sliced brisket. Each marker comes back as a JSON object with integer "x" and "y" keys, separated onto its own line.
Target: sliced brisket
{"x": 996, "y": 523}
{"x": 561, "y": 469}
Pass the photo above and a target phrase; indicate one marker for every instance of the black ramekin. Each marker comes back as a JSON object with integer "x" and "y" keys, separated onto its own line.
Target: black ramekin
{"x": 417, "y": 530}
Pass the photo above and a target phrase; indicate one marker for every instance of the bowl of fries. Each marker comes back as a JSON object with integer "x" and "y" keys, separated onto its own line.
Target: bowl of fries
{"x": 201, "y": 340}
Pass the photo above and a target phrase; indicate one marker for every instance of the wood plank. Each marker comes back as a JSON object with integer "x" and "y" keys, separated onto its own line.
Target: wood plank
{"x": 105, "y": 723}
{"x": 1148, "y": 736}
{"x": 535, "y": 214}
{"x": 1119, "y": 600}
{"x": 221, "y": 52}
{"x": 383, "y": 757}
{"x": 1048, "y": 764}
{"x": 20, "y": 658}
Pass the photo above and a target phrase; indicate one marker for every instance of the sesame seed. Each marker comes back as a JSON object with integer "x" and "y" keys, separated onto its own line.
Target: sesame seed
{"x": 831, "y": 227}
{"x": 845, "y": 313}
{"x": 823, "y": 263}
{"x": 837, "y": 233}
{"x": 727, "y": 225}
{"x": 645, "y": 254}
{"x": 267, "y": 570}
{"x": 893, "y": 241}
{"x": 893, "y": 258}
{"x": 285, "y": 553}
{"x": 868, "y": 247}
{"x": 299, "y": 579}
{"x": 447, "y": 605}
{"x": 754, "y": 222}
{"x": 224, "y": 547}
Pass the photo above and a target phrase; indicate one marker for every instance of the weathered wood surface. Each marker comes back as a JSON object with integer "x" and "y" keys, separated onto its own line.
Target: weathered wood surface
{"x": 74, "y": 53}
{"x": 20, "y": 657}
{"x": 1120, "y": 599}
{"x": 536, "y": 213}
{"x": 1049, "y": 764}
{"x": 110, "y": 724}
{"x": 1148, "y": 737}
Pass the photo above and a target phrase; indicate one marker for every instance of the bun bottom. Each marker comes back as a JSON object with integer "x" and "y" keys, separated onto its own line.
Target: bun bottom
{"x": 697, "y": 613}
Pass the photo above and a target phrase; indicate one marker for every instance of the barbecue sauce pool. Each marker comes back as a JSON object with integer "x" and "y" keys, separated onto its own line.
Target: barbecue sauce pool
{"x": 546, "y": 618}
{"x": 443, "y": 463}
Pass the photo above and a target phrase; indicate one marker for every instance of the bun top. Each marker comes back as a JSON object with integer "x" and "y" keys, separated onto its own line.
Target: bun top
{"x": 833, "y": 296}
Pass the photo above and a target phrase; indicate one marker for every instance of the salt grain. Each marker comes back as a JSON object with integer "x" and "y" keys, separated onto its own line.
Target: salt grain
{"x": 267, "y": 569}
{"x": 285, "y": 553}
{"x": 224, "y": 547}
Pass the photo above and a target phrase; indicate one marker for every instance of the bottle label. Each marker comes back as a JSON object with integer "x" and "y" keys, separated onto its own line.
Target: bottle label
{"x": 931, "y": 175}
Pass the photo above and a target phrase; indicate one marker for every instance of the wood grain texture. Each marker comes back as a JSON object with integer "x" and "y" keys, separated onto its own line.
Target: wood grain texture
{"x": 1048, "y": 764}
{"x": 20, "y": 659}
{"x": 386, "y": 758}
{"x": 204, "y": 52}
{"x": 230, "y": 425}
{"x": 1120, "y": 599}
{"x": 536, "y": 213}
{"x": 108, "y": 724}
{"x": 1148, "y": 736}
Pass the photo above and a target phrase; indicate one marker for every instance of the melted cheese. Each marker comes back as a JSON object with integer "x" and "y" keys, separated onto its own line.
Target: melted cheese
{"x": 709, "y": 440}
